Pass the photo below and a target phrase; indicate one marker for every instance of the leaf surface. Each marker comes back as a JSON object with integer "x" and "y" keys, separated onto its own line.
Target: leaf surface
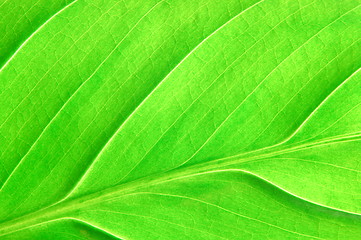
{"x": 181, "y": 119}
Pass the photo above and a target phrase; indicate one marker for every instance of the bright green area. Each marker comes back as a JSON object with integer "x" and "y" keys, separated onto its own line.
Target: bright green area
{"x": 180, "y": 119}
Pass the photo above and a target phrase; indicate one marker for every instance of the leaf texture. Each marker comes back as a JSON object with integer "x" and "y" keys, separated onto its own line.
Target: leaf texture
{"x": 209, "y": 119}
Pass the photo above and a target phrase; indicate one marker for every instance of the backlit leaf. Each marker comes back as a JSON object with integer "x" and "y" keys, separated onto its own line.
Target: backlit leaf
{"x": 180, "y": 119}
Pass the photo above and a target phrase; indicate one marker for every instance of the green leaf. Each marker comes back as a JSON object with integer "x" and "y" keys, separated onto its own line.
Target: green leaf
{"x": 209, "y": 119}
{"x": 21, "y": 19}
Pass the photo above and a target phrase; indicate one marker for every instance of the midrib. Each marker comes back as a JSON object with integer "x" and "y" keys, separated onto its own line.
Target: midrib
{"x": 64, "y": 208}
